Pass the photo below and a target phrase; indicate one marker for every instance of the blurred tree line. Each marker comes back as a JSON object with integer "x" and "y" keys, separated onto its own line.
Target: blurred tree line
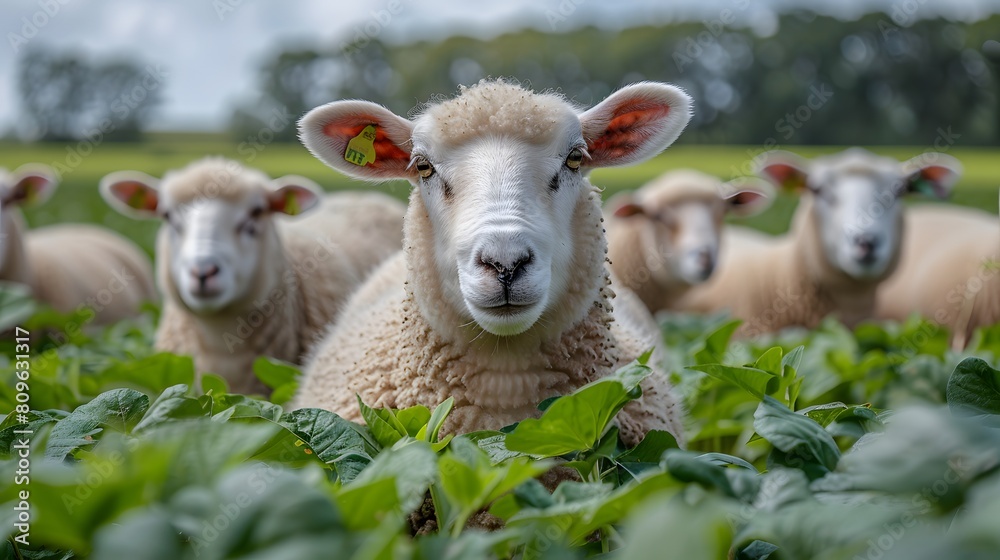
{"x": 877, "y": 80}
{"x": 66, "y": 96}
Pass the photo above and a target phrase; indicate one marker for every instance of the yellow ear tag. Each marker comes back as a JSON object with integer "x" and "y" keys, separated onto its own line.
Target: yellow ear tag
{"x": 361, "y": 148}
{"x": 291, "y": 204}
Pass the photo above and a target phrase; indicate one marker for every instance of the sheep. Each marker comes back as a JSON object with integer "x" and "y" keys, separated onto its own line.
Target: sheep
{"x": 947, "y": 271}
{"x": 501, "y": 297}
{"x": 239, "y": 281}
{"x": 664, "y": 237}
{"x": 70, "y": 267}
{"x": 844, "y": 241}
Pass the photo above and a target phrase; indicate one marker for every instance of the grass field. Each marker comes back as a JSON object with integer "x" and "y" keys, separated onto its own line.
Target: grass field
{"x": 78, "y": 201}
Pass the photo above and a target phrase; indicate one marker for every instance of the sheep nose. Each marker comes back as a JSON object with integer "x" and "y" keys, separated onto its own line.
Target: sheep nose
{"x": 866, "y": 244}
{"x": 507, "y": 269}
{"x": 203, "y": 271}
{"x": 705, "y": 259}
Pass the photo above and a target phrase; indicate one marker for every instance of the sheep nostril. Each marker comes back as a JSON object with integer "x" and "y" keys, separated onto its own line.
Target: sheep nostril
{"x": 203, "y": 272}
{"x": 506, "y": 273}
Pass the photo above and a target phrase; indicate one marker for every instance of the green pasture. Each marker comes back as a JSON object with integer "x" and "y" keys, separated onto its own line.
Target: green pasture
{"x": 83, "y": 165}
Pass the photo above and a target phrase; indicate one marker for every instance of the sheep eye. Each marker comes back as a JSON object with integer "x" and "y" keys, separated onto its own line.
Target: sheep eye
{"x": 424, "y": 168}
{"x": 574, "y": 159}
{"x": 166, "y": 216}
{"x": 256, "y": 212}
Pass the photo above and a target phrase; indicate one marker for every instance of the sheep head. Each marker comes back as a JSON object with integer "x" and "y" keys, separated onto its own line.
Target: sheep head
{"x": 855, "y": 201}
{"x": 500, "y": 171}
{"x": 680, "y": 217}
{"x": 218, "y": 229}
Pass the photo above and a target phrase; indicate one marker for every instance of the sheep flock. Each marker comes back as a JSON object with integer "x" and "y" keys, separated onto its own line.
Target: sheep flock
{"x": 504, "y": 280}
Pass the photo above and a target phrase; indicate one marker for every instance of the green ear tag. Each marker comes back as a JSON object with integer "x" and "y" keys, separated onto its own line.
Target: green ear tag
{"x": 361, "y": 148}
{"x": 291, "y": 204}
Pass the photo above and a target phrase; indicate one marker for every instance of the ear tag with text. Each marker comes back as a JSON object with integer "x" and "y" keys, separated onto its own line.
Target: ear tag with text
{"x": 361, "y": 148}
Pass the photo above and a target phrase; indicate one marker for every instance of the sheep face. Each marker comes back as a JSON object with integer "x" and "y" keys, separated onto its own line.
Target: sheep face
{"x": 501, "y": 209}
{"x": 681, "y": 216}
{"x": 218, "y": 227}
{"x": 856, "y": 206}
{"x": 28, "y": 185}
{"x": 501, "y": 173}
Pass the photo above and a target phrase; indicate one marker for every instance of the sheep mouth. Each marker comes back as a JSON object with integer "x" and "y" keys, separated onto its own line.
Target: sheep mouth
{"x": 506, "y": 319}
{"x": 505, "y": 309}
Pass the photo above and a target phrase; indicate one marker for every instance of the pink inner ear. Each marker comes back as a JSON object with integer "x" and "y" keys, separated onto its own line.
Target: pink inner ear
{"x": 387, "y": 153}
{"x": 745, "y": 198}
{"x": 627, "y": 210}
{"x": 935, "y": 173}
{"x": 785, "y": 175}
{"x": 135, "y": 195}
{"x": 627, "y": 129}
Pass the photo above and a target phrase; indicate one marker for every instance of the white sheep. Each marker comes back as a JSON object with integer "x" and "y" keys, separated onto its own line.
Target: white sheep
{"x": 844, "y": 241}
{"x": 239, "y": 281}
{"x": 71, "y": 267}
{"x": 664, "y": 238}
{"x": 501, "y": 297}
{"x": 947, "y": 271}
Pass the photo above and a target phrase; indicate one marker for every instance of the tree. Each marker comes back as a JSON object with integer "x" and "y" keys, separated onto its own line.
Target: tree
{"x": 66, "y": 97}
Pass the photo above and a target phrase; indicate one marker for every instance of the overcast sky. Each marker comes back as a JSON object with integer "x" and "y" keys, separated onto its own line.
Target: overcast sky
{"x": 211, "y": 48}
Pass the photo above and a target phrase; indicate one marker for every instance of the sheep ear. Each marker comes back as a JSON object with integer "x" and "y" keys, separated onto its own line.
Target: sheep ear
{"x": 294, "y": 195}
{"x": 785, "y": 169}
{"x": 360, "y": 139}
{"x": 31, "y": 184}
{"x": 934, "y": 179}
{"x": 634, "y": 123}
{"x": 624, "y": 206}
{"x": 747, "y": 196}
{"x": 132, "y": 193}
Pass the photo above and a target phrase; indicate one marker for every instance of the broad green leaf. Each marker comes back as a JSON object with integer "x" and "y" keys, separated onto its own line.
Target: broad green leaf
{"x": 470, "y": 482}
{"x": 577, "y": 421}
{"x": 713, "y": 350}
{"x": 582, "y": 508}
{"x": 35, "y": 421}
{"x": 16, "y": 305}
{"x": 240, "y": 406}
{"x": 493, "y": 444}
{"x": 171, "y": 404}
{"x": 334, "y": 440}
{"x": 280, "y": 376}
{"x": 770, "y": 361}
{"x": 383, "y": 424}
{"x": 674, "y": 528}
{"x": 413, "y": 419}
{"x": 119, "y": 410}
{"x": 413, "y": 467}
{"x": 758, "y": 383}
{"x": 800, "y": 438}
{"x": 757, "y": 550}
{"x": 974, "y": 391}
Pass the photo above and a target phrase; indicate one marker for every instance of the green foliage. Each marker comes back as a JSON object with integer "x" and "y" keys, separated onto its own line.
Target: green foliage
{"x": 131, "y": 459}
